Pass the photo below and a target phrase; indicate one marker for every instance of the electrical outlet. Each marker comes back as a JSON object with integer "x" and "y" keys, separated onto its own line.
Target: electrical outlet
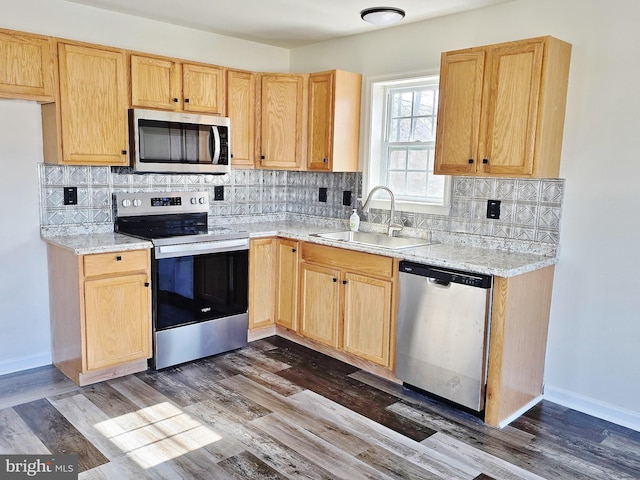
{"x": 346, "y": 198}
{"x": 70, "y": 195}
{"x": 322, "y": 194}
{"x": 218, "y": 192}
{"x": 493, "y": 209}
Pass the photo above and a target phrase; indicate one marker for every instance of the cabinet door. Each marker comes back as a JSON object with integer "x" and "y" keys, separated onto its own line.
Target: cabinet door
{"x": 510, "y": 110}
{"x": 26, "y": 66}
{"x": 93, "y": 105}
{"x": 367, "y": 317}
{"x": 241, "y": 109}
{"x": 459, "y": 110}
{"x": 262, "y": 282}
{"x": 287, "y": 280}
{"x": 283, "y": 121}
{"x": 320, "y": 122}
{"x": 155, "y": 83}
{"x": 203, "y": 89}
{"x": 319, "y": 303}
{"x": 117, "y": 320}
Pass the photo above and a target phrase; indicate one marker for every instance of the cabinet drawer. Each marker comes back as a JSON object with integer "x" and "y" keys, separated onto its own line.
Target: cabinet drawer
{"x": 365, "y": 263}
{"x": 116, "y": 262}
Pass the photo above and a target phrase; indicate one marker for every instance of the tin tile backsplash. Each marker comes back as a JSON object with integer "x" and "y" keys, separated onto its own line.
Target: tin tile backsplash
{"x": 530, "y": 210}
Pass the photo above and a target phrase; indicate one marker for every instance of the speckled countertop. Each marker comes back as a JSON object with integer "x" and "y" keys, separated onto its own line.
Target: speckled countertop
{"x": 462, "y": 257}
{"x": 86, "y": 244}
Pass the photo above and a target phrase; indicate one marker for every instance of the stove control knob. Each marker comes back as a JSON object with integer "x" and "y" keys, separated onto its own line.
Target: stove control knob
{"x": 126, "y": 203}
{"x": 137, "y": 202}
{"x": 194, "y": 200}
{"x": 202, "y": 200}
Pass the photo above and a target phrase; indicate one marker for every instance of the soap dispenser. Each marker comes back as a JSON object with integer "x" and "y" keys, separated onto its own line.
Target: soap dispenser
{"x": 354, "y": 221}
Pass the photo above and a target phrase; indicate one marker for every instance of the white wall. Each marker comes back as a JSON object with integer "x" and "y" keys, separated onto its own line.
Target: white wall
{"x": 24, "y": 298}
{"x": 80, "y": 22}
{"x": 593, "y": 354}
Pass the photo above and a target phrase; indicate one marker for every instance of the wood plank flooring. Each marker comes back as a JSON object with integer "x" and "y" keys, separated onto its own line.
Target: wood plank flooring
{"x": 277, "y": 410}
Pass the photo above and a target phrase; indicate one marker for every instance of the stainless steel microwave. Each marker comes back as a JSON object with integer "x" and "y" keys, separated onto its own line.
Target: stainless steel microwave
{"x": 171, "y": 142}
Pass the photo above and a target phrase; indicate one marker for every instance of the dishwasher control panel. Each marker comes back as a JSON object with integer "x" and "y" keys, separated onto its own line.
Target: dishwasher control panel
{"x": 446, "y": 274}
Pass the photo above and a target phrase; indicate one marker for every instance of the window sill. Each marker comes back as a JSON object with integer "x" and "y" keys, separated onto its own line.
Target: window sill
{"x": 416, "y": 207}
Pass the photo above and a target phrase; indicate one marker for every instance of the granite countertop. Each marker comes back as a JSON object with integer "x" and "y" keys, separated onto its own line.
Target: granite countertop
{"x": 462, "y": 257}
{"x": 488, "y": 261}
{"x": 86, "y": 244}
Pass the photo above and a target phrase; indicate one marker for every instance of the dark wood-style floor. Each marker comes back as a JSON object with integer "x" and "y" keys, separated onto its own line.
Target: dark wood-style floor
{"x": 279, "y": 410}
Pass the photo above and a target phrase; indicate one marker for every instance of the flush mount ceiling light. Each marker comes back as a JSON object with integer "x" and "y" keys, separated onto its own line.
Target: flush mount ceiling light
{"x": 382, "y": 16}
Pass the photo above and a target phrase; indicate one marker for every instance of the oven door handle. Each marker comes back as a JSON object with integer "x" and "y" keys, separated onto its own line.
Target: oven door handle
{"x": 201, "y": 248}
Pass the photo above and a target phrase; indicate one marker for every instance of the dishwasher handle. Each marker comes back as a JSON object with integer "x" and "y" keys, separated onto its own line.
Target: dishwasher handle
{"x": 471, "y": 279}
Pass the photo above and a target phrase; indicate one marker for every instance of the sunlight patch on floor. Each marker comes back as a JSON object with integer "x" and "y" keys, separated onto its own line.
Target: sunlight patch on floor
{"x": 156, "y": 434}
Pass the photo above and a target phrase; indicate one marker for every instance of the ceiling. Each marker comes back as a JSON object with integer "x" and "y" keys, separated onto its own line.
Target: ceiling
{"x": 282, "y": 23}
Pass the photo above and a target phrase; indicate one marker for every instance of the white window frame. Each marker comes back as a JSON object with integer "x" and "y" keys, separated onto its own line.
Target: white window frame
{"x": 375, "y": 111}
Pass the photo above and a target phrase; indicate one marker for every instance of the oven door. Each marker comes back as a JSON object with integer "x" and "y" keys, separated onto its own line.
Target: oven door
{"x": 199, "y": 282}
{"x": 199, "y": 300}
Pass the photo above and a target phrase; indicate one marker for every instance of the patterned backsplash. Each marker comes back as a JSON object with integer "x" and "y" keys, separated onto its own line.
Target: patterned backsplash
{"x": 530, "y": 209}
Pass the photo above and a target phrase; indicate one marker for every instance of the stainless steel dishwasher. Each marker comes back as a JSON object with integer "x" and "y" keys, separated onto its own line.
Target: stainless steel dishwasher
{"x": 442, "y": 336}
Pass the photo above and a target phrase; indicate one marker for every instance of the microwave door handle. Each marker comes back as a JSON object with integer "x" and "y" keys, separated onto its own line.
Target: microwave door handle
{"x": 214, "y": 145}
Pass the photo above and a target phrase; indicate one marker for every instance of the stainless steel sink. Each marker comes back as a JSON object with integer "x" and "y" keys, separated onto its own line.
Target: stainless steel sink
{"x": 374, "y": 239}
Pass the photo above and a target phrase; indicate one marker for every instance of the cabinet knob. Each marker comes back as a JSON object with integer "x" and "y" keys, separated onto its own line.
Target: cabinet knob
{"x": 344, "y": 282}
{"x": 324, "y": 160}
{"x": 485, "y": 160}
{"x": 335, "y": 280}
{"x": 119, "y": 258}
{"x": 175, "y": 100}
{"x": 231, "y": 155}
{"x": 261, "y": 157}
{"x": 293, "y": 250}
{"x": 146, "y": 284}
{"x": 470, "y": 160}
{"x": 186, "y": 100}
{"x": 124, "y": 152}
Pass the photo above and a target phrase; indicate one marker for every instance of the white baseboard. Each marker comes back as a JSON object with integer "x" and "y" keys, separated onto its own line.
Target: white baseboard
{"x": 596, "y": 408}
{"x": 520, "y": 412}
{"x": 24, "y": 363}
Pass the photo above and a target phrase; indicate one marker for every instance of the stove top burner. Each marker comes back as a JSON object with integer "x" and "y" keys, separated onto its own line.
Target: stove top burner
{"x": 179, "y": 220}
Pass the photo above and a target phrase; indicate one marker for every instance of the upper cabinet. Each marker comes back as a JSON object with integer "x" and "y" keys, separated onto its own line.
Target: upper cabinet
{"x": 171, "y": 84}
{"x": 88, "y": 123}
{"x": 26, "y": 66}
{"x": 241, "y": 109}
{"x": 283, "y": 121}
{"x": 502, "y": 109}
{"x": 334, "y": 121}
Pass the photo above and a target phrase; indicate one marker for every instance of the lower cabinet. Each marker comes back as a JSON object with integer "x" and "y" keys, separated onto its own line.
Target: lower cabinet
{"x": 262, "y": 282}
{"x": 287, "y": 284}
{"x": 100, "y": 307}
{"x": 347, "y": 301}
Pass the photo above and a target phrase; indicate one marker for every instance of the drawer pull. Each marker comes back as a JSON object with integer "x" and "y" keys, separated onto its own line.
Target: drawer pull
{"x": 119, "y": 258}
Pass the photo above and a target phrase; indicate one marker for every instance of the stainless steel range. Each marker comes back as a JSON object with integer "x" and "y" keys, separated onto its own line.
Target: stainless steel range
{"x": 199, "y": 274}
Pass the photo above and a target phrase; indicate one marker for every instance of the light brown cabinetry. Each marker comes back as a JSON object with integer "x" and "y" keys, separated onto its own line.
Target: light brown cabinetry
{"x": 287, "y": 284}
{"x": 100, "y": 309}
{"x": 262, "y": 282}
{"x": 518, "y": 341}
{"x": 26, "y": 66}
{"x": 501, "y": 109}
{"x": 282, "y": 118}
{"x": 88, "y": 123}
{"x": 171, "y": 84}
{"x": 334, "y": 121}
{"x": 241, "y": 110}
{"x": 347, "y": 301}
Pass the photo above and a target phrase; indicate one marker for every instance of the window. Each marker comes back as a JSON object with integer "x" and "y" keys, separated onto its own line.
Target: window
{"x": 402, "y": 144}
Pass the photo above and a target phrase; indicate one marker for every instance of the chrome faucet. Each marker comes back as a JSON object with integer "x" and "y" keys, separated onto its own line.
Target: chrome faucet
{"x": 393, "y": 227}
